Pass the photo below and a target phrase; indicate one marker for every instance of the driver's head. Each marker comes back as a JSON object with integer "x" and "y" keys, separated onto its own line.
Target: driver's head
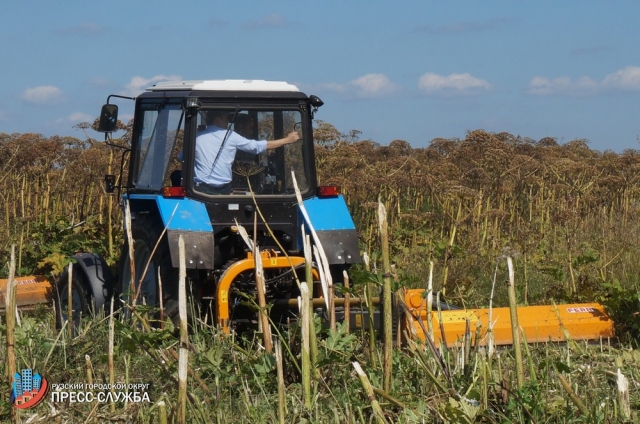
{"x": 218, "y": 118}
{"x": 243, "y": 125}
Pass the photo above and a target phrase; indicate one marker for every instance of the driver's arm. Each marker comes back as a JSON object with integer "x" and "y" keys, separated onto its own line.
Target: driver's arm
{"x": 290, "y": 138}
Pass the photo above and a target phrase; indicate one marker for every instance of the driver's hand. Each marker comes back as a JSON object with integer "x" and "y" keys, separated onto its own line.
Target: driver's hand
{"x": 293, "y": 136}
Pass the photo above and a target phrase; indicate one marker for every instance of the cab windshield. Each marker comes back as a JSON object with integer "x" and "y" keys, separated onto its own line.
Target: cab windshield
{"x": 231, "y": 156}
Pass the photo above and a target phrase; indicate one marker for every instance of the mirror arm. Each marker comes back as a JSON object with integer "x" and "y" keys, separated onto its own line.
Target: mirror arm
{"x": 108, "y": 142}
{"x": 120, "y": 97}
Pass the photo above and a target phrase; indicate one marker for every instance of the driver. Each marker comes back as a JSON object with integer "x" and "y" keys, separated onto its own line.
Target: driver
{"x": 213, "y": 167}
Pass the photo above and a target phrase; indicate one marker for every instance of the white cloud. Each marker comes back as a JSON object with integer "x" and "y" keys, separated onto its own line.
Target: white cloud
{"x": 373, "y": 85}
{"x": 81, "y": 117}
{"x": 99, "y": 82}
{"x": 369, "y": 85}
{"x": 43, "y": 95}
{"x": 138, "y": 84}
{"x": 77, "y": 117}
{"x": 626, "y": 79}
{"x": 564, "y": 85}
{"x": 452, "y": 85}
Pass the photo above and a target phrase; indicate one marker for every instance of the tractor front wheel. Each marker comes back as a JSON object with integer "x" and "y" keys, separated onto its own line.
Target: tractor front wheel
{"x": 81, "y": 298}
{"x": 150, "y": 267}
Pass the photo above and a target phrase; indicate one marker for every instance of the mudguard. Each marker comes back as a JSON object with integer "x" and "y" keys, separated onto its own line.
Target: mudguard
{"x": 332, "y": 222}
{"x": 186, "y": 217}
{"x": 99, "y": 276}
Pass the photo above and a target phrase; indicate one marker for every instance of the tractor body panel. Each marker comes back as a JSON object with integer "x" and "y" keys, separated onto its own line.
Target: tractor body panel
{"x": 334, "y": 226}
{"x": 181, "y": 217}
{"x": 329, "y": 214}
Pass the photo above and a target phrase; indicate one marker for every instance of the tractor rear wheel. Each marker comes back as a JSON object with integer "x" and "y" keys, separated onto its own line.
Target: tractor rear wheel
{"x": 151, "y": 268}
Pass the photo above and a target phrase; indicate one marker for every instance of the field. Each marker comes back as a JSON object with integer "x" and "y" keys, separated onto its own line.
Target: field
{"x": 564, "y": 213}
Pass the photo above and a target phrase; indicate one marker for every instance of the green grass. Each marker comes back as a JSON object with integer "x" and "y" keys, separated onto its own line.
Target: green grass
{"x": 234, "y": 380}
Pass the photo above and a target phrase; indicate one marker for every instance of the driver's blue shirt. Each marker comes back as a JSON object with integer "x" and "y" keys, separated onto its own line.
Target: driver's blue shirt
{"x": 208, "y": 143}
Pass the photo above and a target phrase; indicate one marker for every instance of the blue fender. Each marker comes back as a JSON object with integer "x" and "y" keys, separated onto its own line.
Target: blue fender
{"x": 187, "y": 218}
{"x": 332, "y": 221}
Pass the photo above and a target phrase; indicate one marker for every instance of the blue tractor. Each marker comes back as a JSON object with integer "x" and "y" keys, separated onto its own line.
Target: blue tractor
{"x": 168, "y": 195}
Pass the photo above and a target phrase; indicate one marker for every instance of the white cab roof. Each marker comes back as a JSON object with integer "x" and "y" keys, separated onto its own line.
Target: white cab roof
{"x": 225, "y": 85}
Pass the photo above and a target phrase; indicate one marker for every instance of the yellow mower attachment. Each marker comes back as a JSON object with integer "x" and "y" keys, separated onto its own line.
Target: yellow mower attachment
{"x": 30, "y": 290}
{"x": 580, "y": 321}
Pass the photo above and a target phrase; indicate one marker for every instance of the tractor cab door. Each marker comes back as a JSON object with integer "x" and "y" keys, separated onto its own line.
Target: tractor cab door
{"x": 158, "y": 145}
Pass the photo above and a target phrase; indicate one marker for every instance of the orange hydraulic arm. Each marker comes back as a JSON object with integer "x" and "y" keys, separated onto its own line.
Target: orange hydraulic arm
{"x": 584, "y": 321}
{"x": 269, "y": 261}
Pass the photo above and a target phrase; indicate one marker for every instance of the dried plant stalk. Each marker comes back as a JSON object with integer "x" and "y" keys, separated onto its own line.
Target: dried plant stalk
{"x": 515, "y": 328}
{"x": 366, "y": 385}
{"x": 303, "y": 301}
{"x": 572, "y": 395}
{"x": 430, "y": 301}
{"x": 132, "y": 262}
{"x": 70, "y": 302}
{"x": 368, "y": 298}
{"x": 386, "y": 299}
{"x": 10, "y": 319}
{"x": 184, "y": 335}
{"x": 623, "y": 395}
{"x": 347, "y": 306}
{"x": 282, "y": 406}
{"x": 112, "y": 375}
{"x": 162, "y": 412}
{"x": 324, "y": 262}
{"x": 89, "y": 368}
{"x": 313, "y": 339}
{"x": 262, "y": 300}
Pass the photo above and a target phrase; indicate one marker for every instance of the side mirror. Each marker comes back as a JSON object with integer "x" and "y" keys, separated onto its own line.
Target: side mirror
{"x": 108, "y": 118}
{"x": 315, "y": 104}
{"x": 315, "y": 101}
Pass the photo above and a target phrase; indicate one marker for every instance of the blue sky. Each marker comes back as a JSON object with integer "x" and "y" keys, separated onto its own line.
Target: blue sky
{"x": 410, "y": 70}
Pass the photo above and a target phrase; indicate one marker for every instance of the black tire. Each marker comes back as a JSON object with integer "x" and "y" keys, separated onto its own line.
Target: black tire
{"x": 145, "y": 232}
{"x": 81, "y": 295}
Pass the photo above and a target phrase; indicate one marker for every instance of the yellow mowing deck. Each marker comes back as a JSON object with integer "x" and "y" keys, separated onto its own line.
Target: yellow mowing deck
{"x": 30, "y": 290}
{"x": 579, "y": 321}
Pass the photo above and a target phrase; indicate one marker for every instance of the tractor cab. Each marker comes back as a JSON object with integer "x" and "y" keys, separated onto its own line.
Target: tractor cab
{"x": 172, "y": 117}
{"x": 207, "y": 141}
